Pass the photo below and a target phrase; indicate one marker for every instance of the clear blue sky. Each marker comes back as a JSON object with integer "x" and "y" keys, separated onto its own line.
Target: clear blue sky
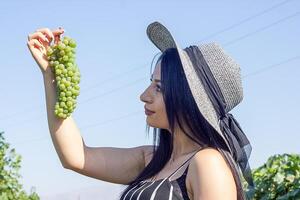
{"x": 111, "y": 38}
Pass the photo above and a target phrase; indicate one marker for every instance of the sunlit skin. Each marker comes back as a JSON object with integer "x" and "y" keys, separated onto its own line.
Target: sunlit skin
{"x": 153, "y": 99}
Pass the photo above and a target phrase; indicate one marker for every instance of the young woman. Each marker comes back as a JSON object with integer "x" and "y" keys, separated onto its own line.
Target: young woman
{"x": 198, "y": 146}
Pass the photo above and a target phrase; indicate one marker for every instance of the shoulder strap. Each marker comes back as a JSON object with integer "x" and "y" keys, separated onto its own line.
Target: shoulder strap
{"x": 183, "y": 163}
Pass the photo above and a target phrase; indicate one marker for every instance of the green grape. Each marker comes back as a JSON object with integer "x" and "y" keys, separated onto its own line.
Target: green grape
{"x": 67, "y": 84}
{"x": 58, "y": 72}
{"x": 62, "y": 104}
{"x": 61, "y": 45}
{"x": 65, "y": 58}
{"x": 69, "y": 99}
{"x": 49, "y": 52}
{"x": 68, "y": 49}
{"x": 56, "y": 63}
{"x": 62, "y": 87}
{"x": 66, "y": 41}
{"x": 61, "y": 66}
{"x": 69, "y": 64}
{"x": 51, "y": 63}
{"x": 77, "y": 87}
{"x": 62, "y": 52}
{"x": 70, "y": 73}
{"x": 60, "y": 110}
{"x": 62, "y": 94}
{"x": 69, "y": 93}
{"x": 72, "y": 43}
{"x": 70, "y": 55}
{"x": 69, "y": 103}
{"x": 61, "y": 58}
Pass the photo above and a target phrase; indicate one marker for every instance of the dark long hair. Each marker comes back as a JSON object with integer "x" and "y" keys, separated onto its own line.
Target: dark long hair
{"x": 181, "y": 111}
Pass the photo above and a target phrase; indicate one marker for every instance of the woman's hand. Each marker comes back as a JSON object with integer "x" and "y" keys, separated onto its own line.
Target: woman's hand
{"x": 39, "y": 41}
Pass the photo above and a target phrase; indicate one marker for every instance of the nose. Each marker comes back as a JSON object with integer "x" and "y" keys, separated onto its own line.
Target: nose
{"x": 145, "y": 96}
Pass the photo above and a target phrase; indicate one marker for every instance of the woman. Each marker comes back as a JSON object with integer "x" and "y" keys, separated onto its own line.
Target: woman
{"x": 198, "y": 146}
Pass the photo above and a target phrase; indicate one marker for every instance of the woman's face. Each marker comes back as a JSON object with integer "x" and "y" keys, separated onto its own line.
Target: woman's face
{"x": 153, "y": 99}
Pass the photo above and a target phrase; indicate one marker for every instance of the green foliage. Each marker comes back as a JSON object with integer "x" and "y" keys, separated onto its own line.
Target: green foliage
{"x": 10, "y": 163}
{"x": 278, "y": 178}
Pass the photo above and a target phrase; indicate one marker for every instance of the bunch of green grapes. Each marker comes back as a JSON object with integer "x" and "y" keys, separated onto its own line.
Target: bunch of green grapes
{"x": 61, "y": 58}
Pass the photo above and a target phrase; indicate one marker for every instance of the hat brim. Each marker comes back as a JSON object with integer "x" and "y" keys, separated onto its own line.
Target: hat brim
{"x": 162, "y": 39}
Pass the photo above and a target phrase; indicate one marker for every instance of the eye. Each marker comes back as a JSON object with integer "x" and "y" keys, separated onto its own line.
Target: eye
{"x": 158, "y": 88}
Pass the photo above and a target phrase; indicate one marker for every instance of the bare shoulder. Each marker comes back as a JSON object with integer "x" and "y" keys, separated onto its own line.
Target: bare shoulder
{"x": 209, "y": 176}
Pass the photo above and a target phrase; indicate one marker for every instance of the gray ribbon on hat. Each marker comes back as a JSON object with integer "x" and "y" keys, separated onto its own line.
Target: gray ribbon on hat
{"x": 239, "y": 143}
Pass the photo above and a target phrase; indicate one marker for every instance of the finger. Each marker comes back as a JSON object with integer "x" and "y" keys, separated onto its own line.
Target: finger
{"x": 34, "y": 43}
{"x": 38, "y": 35}
{"x": 57, "y": 33}
{"x": 46, "y": 32}
{"x": 43, "y": 39}
{"x": 57, "y": 39}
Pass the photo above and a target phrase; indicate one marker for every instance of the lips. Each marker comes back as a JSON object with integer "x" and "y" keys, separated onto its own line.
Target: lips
{"x": 148, "y": 111}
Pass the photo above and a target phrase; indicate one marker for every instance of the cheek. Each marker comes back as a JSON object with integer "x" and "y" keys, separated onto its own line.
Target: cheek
{"x": 159, "y": 119}
{"x": 161, "y": 108}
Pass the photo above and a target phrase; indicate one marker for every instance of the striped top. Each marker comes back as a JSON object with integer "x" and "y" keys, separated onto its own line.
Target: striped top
{"x": 162, "y": 189}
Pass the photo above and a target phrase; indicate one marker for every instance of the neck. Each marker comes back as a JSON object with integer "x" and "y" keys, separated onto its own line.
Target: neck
{"x": 182, "y": 145}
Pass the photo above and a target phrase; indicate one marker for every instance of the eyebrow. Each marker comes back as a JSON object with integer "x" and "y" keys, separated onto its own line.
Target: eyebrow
{"x": 156, "y": 80}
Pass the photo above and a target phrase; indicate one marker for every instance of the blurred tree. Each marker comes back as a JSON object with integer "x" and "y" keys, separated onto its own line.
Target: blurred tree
{"x": 278, "y": 178}
{"x": 10, "y": 163}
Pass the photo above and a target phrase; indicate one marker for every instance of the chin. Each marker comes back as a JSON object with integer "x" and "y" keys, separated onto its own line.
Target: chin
{"x": 154, "y": 125}
{"x": 151, "y": 123}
